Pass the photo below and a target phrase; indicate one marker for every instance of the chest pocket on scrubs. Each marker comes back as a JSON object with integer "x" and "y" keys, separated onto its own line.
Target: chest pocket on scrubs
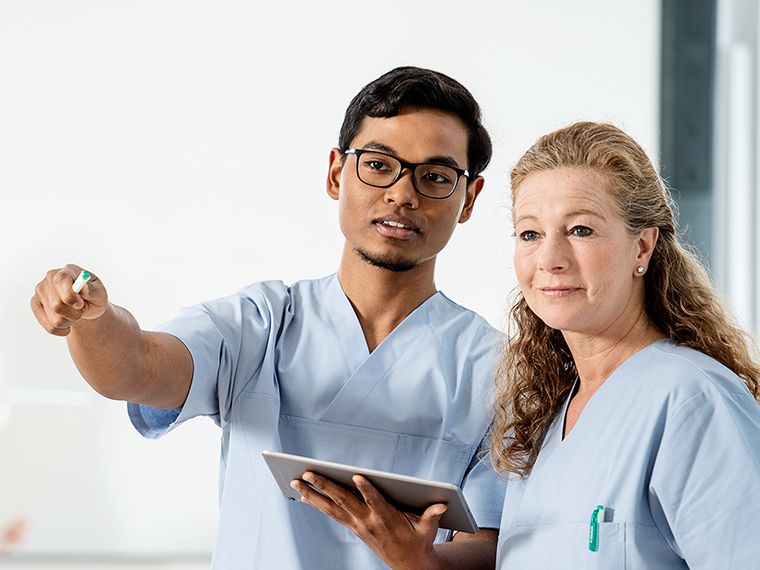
{"x": 432, "y": 458}
{"x": 355, "y": 445}
{"x": 563, "y": 545}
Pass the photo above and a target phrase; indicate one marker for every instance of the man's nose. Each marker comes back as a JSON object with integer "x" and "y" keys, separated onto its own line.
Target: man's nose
{"x": 402, "y": 192}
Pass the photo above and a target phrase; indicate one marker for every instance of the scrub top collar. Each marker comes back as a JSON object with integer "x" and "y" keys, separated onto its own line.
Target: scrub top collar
{"x": 347, "y": 323}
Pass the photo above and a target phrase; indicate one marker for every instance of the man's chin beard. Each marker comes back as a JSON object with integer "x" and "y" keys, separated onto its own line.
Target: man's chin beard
{"x": 395, "y": 265}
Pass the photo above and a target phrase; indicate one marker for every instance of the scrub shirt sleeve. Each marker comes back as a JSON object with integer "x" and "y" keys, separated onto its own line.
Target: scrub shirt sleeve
{"x": 232, "y": 342}
{"x": 484, "y": 489}
{"x": 705, "y": 483}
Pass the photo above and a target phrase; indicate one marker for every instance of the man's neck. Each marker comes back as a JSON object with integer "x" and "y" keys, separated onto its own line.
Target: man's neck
{"x": 383, "y": 298}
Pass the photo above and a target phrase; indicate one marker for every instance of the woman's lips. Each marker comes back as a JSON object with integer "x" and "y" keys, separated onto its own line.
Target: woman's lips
{"x": 561, "y": 291}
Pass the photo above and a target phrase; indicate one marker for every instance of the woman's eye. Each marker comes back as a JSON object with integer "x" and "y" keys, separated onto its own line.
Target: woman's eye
{"x": 528, "y": 235}
{"x": 581, "y": 231}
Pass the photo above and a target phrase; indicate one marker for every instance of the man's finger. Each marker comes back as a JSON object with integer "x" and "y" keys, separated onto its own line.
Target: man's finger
{"x": 91, "y": 288}
{"x": 59, "y": 311}
{"x": 372, "y": 497}
{"x": 59, "y": 314}
{"x": 62, "y": 282}
{"x": 95, "y": 295}
{"x": 346, "y": 499}
{"x": 322, "y": 503}
{"x": 42, "y": 317}
{"x": 92, "y": 296}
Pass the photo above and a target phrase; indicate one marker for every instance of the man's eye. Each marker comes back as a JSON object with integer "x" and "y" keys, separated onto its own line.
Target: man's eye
{"x": 581, "y": 231}
{"x": 528, "y": 235}
{"x": 437, "y": 178}
{"x": 376, "y": 165}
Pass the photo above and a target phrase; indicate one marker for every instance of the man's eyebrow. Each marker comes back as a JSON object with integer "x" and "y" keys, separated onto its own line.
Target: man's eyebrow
{"x": 375, "y": 145}
{"x": 446, "y": 160}
{"x": 382, "y": 147}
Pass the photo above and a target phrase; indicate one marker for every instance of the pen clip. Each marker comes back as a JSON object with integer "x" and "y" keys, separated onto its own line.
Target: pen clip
{"x": 597, "y": 517}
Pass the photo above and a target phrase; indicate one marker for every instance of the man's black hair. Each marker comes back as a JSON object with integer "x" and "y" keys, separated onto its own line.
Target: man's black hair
{"x": 417, "y": 88}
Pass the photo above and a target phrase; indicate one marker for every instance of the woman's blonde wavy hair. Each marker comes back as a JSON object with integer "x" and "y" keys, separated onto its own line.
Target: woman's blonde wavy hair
{"x": 536, "y": 370}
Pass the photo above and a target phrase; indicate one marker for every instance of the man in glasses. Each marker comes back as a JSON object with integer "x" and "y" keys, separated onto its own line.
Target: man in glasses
{"x": 372, "y": 366}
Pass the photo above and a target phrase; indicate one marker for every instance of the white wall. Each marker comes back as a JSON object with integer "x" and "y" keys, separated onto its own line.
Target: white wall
{"x": 179, "y": 150}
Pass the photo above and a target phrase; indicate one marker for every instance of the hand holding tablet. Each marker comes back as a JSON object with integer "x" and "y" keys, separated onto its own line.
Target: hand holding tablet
{"x": 406, "y": 493}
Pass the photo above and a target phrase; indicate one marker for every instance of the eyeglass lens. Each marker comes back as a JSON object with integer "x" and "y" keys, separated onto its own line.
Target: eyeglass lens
{"x": 433, "y": 180}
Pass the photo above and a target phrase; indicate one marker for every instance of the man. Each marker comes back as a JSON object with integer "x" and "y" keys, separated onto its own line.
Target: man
{"x": 372, "y": 366}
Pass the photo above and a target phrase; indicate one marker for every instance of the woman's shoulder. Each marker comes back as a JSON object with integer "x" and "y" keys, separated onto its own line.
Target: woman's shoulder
{"x": 679, "y": 371}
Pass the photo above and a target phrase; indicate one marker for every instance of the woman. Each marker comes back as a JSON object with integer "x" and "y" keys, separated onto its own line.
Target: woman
{"x": 626, "y": 413}
{"x": 626, "y": 409}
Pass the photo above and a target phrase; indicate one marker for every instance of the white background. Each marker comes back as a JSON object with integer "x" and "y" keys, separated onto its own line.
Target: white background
{"x": 178, "y": 149}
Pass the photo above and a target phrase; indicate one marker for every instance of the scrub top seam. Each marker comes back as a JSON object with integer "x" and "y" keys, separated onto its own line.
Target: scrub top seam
{"x": 703, "y": 374}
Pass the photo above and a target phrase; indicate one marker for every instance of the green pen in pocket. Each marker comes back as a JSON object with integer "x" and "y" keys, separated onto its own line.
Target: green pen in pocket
{"x": 597, "y": 517}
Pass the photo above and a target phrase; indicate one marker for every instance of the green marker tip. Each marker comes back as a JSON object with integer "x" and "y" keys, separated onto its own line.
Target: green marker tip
{"x": 86, "y": 275}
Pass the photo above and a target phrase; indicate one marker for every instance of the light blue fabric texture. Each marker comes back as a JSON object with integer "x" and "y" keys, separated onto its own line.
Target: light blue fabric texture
{"x": 670, "y": 445}
{"x": 288, "y": 369}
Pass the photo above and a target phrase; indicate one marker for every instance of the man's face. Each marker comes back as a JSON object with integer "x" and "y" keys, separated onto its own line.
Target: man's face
{"x": 397, "y": 228}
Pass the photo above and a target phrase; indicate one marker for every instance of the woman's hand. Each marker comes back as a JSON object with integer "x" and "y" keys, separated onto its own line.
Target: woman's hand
{"x": 400, "y": 539}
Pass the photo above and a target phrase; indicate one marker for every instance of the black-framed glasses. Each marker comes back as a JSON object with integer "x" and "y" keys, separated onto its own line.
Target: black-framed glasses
{"x": 382, "y": 170}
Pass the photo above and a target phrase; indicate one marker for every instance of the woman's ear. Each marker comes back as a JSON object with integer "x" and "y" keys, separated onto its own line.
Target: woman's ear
{"x": 647, "y": 242}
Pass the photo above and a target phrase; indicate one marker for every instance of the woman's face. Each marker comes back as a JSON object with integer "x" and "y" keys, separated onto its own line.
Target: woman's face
{"x": 574, "y": 258}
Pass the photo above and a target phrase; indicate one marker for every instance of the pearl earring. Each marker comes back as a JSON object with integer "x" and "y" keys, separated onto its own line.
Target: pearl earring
{"x": 640, "y": 269}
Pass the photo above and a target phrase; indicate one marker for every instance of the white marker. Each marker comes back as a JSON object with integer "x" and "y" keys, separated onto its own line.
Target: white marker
{"x": 82, "y": 278}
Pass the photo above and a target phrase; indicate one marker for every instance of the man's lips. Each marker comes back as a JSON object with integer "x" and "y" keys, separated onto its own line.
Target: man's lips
{"x": 396, "y": 227}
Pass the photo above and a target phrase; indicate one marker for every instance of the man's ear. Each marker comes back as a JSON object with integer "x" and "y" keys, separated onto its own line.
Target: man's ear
{"x": 471, "y": 195}
{"x": 334, "y": 169}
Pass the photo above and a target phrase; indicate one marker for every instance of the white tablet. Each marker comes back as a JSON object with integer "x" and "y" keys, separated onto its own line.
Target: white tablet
{"x": 406, "y": 493}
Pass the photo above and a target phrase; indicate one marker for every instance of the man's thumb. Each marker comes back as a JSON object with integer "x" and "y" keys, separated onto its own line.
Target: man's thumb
{"x": 433, "y": 514}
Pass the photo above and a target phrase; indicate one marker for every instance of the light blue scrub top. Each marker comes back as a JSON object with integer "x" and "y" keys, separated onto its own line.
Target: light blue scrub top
{"x": 670, "y": 445}
{"x": 288, "y": 369}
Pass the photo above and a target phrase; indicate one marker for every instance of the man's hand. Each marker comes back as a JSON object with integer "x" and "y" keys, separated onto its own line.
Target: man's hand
{"x": 111, "y": 352}
{"x": 57, "y": 308}
{"x": 401, "y": 540}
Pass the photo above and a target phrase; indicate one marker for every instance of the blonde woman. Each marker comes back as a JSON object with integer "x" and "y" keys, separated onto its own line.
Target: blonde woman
{"x": 627, "y": 415}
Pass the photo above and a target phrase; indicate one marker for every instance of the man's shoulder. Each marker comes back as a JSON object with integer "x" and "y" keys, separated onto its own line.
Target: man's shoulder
{"x": 453, "y": 310}
{"x": 275, "y": 289}
{"x": 271, "y": 300}
{"x": 454, "y": 323}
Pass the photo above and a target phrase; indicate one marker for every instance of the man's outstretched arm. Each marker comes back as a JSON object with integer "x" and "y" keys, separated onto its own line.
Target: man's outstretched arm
{"x": 117, "y": 358}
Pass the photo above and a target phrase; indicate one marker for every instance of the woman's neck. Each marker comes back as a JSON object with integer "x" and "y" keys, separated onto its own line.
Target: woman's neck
{"x": 597, "y": 357}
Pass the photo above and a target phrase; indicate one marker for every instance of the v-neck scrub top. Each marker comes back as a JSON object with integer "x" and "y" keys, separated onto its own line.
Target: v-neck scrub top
{"x": 670, "y": 446}
{"x": 288, "y": 369}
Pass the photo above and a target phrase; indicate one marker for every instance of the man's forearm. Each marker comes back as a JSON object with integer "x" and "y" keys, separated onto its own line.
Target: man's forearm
{"x": 468, "y": 551}
{"x": 117, "y": 358}
{"x": 110, "y": 353}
